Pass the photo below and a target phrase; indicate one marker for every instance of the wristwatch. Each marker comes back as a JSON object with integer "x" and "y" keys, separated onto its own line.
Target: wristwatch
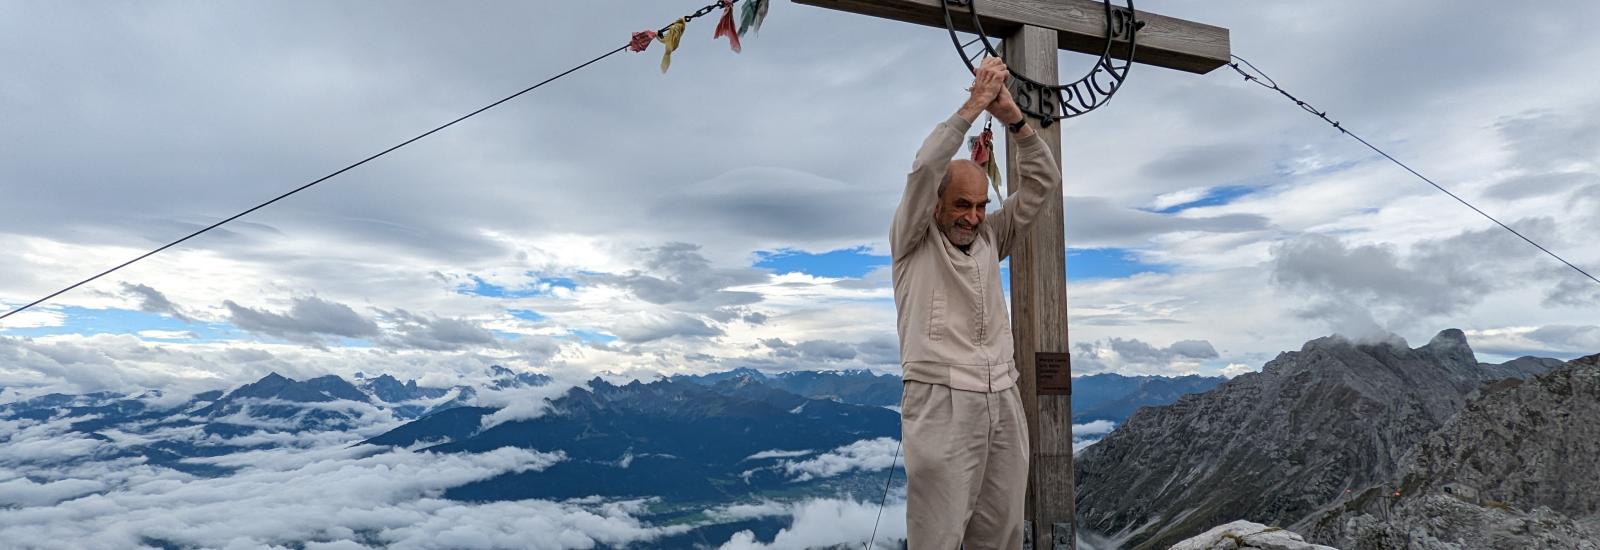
{"x": 1017, "y": 126}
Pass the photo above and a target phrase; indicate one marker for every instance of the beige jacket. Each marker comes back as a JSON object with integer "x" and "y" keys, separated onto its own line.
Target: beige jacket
{"x": 954, "y": 329}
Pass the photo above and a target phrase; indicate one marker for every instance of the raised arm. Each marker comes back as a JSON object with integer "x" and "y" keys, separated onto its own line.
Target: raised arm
{"x": 915, "y": 214}
{"x": 1036, "y": 167}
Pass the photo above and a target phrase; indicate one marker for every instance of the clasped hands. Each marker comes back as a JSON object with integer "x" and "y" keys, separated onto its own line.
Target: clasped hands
{"x": 989, "y": 92}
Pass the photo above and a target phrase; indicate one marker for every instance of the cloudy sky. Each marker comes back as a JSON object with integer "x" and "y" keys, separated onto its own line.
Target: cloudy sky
{"x": 734, "y": 211}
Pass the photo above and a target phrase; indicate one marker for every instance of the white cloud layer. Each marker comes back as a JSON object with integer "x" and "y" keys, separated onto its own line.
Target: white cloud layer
{"x": 865, "y": 455}
{"x": 524, "y": 403}
{"x": 1084, "y": 435}
{"x": 1235, "y": 369}
{"x": 332, "y": 497}
{"x": 778, "y": 453}
{"x": 1097, "y": 427}
{"x": 1133, "y": 356}
{"x": 825, "y": 523}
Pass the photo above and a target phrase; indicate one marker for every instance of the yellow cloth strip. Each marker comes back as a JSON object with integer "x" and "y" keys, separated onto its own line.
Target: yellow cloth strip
{"x": 670, "y": 39}
{"x": 993, "y": 168}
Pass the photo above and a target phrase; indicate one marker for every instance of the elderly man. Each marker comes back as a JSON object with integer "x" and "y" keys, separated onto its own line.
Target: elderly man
{"x": 961, "y": 420}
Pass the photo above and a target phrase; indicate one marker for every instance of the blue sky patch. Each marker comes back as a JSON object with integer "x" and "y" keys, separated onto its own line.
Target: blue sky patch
{"x": 846, "y": 262}
{"x": 1107, "y": 263}
{"x": 1085, "y": 264}
{"x": 590, "y": 336}
{"x": 541, "y": 287}
{"x": 1215, "y": 196}
{"x": 526, "y": 314}
{"x": 81, "y": 320}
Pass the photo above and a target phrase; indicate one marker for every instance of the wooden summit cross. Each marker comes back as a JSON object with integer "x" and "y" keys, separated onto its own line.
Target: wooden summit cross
{"x": 1033, "y": 31}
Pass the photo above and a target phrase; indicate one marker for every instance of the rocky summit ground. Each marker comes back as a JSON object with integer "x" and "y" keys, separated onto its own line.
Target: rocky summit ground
{"x": 1244, "y": 535}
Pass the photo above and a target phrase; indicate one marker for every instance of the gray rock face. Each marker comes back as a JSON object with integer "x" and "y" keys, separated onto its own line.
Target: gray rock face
{"x": 1443, "y": 522}
{"x": 1244, "y": 535}
{"x": 1519, "y": 467}
{"x": 1275, "y": 446}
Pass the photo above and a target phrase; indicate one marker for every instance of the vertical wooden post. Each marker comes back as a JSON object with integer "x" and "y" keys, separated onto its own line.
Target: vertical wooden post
{"x": 1039, "y": 319}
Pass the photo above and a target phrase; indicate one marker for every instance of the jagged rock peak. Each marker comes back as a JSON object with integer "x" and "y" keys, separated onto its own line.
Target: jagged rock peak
{"x": 274, "y": 377}
{"x": 1451, "y": 344}
{"x": 1449, "y": 338}
{"x": 267, "y": 385}
{"x": 505, "y": 378}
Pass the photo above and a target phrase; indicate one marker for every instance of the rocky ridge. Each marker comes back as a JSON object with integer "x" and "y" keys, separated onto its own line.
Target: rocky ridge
{"x": 1275, "y": 446}
{"x": 1519, "y": 467}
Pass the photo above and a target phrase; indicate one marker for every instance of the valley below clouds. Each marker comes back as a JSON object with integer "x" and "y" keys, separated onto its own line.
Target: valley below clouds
{"x": 284, "y": 463}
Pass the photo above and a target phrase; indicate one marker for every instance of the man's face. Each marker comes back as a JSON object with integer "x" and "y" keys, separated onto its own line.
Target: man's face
{"x": 964, "y": 203}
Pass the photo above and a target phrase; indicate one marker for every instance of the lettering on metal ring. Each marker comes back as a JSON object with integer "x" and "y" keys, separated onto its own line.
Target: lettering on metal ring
{"x": 1049, "y": 103}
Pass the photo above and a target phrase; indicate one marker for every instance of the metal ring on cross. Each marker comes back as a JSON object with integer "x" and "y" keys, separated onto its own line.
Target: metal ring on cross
{"x": 1049, "y": 103}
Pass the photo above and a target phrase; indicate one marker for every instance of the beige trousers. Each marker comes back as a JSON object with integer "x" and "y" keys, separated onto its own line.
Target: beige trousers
{"x": 966, "y": 466}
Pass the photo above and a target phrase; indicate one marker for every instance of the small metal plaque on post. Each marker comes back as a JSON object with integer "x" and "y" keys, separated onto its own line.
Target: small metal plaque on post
{"x": 1054, "y": 372}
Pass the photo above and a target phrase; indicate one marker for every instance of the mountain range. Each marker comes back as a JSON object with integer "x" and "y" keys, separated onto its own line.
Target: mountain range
{"x": 669, "y": 438}
{"x": 685, "y": 444}
{"x": 276, "y": 403}
{"x": 1115, "y": 397}
{"x": 1354, "y": 444}
{"x": 847, "y": 386}
{"x": 159, "y": 431}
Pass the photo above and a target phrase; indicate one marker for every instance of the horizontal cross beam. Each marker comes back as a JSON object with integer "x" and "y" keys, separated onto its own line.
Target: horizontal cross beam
{"x": 1080, "y": 26}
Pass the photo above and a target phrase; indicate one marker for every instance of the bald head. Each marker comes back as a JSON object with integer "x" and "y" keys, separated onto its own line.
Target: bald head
{"x": 966, "y": 171}
{"x": 963, "y": 202}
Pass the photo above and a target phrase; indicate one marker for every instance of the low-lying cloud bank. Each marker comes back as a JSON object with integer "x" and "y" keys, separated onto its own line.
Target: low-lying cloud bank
{"x": 328, "y": 497}
{"x": 865, "y": 455}
{"x": 1084, "y": 435}
{"x": 824, "y": 522}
